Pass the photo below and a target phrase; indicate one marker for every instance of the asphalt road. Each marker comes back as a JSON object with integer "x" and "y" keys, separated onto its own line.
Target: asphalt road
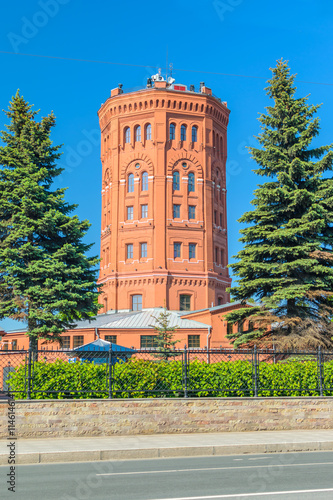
{"x": 265, "y": 477}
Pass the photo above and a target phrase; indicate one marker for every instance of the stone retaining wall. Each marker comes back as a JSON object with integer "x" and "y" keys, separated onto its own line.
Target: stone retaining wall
{"x": 59, "y": 418}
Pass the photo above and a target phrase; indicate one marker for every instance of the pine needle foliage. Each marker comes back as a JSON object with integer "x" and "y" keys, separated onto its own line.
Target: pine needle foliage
{"x": 46, "y": 280}
{"x": 286, "y": 260}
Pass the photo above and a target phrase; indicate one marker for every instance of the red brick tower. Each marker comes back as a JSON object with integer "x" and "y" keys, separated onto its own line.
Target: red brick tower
{"x": 164, "y": 219}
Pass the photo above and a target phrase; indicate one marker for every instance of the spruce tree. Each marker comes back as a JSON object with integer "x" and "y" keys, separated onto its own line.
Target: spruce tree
{"x": 46, "y": 279}
{"x": 286, "y": 264}
{"x": 164, "y": 341}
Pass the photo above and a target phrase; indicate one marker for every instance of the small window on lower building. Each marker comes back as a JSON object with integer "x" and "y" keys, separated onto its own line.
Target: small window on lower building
{"x": 240, "y": 327}
{"x": 185, "y": 302}
{"x": 14, "y": 345}
{"x": 66, "y": 342}
{"x": 5, "y": 346}
{"x": 111, "y": 338}
{"x": 230, "y": 328}
{"x": 148, "y": 341}
{"x": 194, "y": 341}
{"x": 136, "y": 302}
{"x": 219, "y": 301}
{"x": 78, "y": 340}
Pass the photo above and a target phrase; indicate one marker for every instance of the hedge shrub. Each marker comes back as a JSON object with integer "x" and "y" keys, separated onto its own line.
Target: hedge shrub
{"x": 139, "y": 378}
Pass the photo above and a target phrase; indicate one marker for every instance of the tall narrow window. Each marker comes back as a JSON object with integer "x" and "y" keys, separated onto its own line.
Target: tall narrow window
{"x": 127, "y": 133}
{"x": 222, "y": 258}
{"x": 191, "y": 248}
{"x": 176, "y": 211}
{"x": 191, "y": 182}
{"x": 129, "y": 251}
{"x": 194, "y": 133}
{"x": 172, "y": 131}
{"x": 138, "y": 134}
{"x": 144, "y": 211}
{"x": 144, "y": 181}
{"x": 191, "y": 212}
{"x": 143, "y": 250}
{"x": 175, "y": 181}
{"x": 176, "y": 250}
{"x": 148, "y": 132}
{"x": 136, "y": 302}
{"x": 129, "y": 213}
{"x": 220, "y": 220}
{"x": 185, "y": 302}
{"x": 183, "y": 133}
{"x": 130, "y": 183}
{"x": 215, "y": 217}
{"x": 216, "y": 255}
{"x": 219, "y": 301}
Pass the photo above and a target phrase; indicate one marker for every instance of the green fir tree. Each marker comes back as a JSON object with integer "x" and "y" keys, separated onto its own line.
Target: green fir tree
{"x": 286, "y": 264}
{"x": 164, "y": 341}
{"x": 46, "y": 280}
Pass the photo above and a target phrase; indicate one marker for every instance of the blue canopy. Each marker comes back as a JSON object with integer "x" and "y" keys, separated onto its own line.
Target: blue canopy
{"x": 98, "y": 352}
{"x": 102, "y": 345}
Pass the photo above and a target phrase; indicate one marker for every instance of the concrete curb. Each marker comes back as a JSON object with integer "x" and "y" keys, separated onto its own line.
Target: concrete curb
{"x": 167, "y": 452}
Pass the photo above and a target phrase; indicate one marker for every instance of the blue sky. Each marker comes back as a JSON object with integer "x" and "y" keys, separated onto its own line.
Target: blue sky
{"x": 235, "y": 37}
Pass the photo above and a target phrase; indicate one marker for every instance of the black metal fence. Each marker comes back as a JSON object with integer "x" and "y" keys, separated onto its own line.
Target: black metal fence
{"x": 154, "y": 373}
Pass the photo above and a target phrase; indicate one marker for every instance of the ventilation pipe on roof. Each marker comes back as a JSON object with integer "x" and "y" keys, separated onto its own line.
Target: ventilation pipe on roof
{"x": 96, "y": 333}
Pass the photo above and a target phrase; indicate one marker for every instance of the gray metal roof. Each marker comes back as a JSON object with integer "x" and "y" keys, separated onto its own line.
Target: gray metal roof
{"x": 139, "y": 319}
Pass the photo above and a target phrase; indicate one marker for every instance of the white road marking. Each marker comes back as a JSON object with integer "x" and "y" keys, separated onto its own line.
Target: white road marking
{"x": 259, "y": 458}
{"x": 211, "y": 468}
{"x": 247, "y": 495}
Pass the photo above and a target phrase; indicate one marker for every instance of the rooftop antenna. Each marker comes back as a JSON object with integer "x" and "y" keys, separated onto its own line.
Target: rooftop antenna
{"x": 166, "y": 66}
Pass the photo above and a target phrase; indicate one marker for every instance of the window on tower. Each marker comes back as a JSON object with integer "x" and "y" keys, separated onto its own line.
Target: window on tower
{"x": 129, "y": 251}
{"x": 176, "y": 211}
{"x": 130, "y": 183}
{"x": 172, "y": 131}
{"x": 129, "y": 213}
{"x": 194, "y": 133}
{"x": 136, "y": 302}
{"x": 127, "y": 134}
{"x": 143, "y": 250}
{"x": 144, "y": 211}
{"x": 175, "y": 181}
{"x": 185, "y": 302}
{"x": 138, "y": 134}
{"x": 191, "y": 212}
{"x": 191, "y": 250}
{"x": 191, "y": 182}
{"x": 183, "y": 133}
{"x": 148, "y": 132}
{"x": 144, "y": 181}
{"x": 176, "y": 250}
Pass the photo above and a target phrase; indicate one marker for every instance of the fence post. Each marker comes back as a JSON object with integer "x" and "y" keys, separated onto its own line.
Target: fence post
{"x": 320, "y": 371}
{"x": 185, "y": 372}
{"x": 29, "y": 373}
{"x": 255, "y": 372}
{"x": 110, "y": 372}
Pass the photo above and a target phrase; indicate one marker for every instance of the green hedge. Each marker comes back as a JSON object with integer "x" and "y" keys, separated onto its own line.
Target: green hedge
{"x": 139, "y": 378}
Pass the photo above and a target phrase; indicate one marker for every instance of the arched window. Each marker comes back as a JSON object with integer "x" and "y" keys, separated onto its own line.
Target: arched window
{"x": 191, "y": 182}
{"x": 130, "y": 184}
{"x": 127, "y": 134}
{"x": 175, "y": 181}
{"x": 194, "y": 133}
{"x": 138, "y": 134}
{"x": 172, "y": 134}
{"x": 183, "y": 133}
{"x": 144, "y": 181}
{"x": 148, "y": 132}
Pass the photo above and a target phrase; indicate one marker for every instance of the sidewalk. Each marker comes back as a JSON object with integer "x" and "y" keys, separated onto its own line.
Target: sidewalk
{"x": 88, "y": 449}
